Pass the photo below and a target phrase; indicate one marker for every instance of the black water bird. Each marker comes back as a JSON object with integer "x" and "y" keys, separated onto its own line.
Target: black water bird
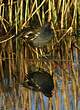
{"x": 39, "y": 80}
{"x": 41, "y": 37}
{"x": 44, "y": 36}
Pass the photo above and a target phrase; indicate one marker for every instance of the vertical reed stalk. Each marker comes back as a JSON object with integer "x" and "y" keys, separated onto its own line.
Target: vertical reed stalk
{"x": 74, "y": 81}
{"x": 10, "y": 3}
{"x": 1, "y": 67}
{"x": 26, "y": 10}
{"x": 57, "y": 103}
{"x": 21, "y": 12}
{"x": 9, "y": 48}
{"x": 42, "y": 102}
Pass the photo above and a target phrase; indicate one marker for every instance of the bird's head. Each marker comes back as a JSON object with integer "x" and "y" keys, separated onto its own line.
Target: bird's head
{"x": 47, "y": 28}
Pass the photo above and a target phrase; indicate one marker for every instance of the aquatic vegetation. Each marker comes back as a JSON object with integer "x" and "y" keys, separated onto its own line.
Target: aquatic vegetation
{"x": 60, "y": 57}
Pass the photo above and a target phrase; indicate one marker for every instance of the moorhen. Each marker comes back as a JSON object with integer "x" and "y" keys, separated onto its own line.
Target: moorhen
{"x": 39, "y": 80}
{"x": 41, "y": 37}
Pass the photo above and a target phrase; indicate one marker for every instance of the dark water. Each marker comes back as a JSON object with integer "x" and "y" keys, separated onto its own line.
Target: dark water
{"x": 19, "y": 98}
{"x": 25, "y": 99}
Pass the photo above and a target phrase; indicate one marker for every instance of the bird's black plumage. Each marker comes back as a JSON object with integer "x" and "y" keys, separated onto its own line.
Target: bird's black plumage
{"x": 39, "y": 81}
{"x": 43, "y": 36}
{"x": 38, "y": 37}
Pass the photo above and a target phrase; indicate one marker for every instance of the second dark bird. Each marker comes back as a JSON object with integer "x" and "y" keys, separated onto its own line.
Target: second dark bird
{"x": 39, "y": 81}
